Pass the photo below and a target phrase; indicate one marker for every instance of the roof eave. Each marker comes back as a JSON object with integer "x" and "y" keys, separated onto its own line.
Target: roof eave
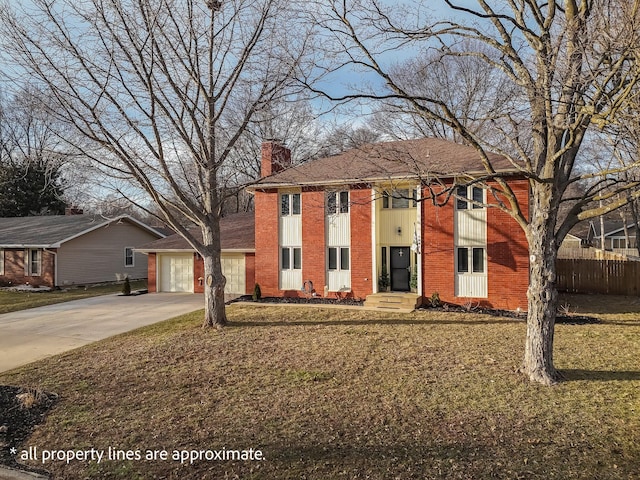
{"x": 317, "y": 183}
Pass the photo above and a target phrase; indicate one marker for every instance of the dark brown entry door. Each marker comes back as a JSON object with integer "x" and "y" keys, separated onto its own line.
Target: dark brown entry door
{"x": 400, "y": 268}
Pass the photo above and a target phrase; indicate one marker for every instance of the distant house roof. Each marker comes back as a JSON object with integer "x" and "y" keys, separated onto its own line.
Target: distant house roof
{"x": 51, "y": 231}
{"x": 237, "y": 233}
{"x": 421, "y": 158}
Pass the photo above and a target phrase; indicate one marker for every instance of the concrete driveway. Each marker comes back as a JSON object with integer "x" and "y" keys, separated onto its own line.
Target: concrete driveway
{"x": 37, "y": 333}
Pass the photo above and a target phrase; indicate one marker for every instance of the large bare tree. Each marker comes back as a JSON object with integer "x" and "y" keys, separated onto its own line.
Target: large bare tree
{"x": 567, "y": 67}
{"x": 159, "y": 92}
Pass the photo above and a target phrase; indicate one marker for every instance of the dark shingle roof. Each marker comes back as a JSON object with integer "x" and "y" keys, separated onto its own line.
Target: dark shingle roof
{"x": 50, "y": 231}
{"x": 421, "y": 158}
{"x": 237, "y": 232}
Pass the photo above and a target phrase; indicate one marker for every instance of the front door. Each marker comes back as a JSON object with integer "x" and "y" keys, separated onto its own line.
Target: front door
{"x": 400, "y": 268}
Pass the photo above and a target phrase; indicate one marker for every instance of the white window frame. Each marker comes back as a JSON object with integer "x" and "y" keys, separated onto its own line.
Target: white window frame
{"x": 339, "y": 205}
{"x": 133, "y": 257}
{"x": 470, "y": 260}
{"x": 38, "y": 262}
{"x": 291, "y": 258}
{"x": 465, "y": 197}
{"x": 339, "y": 262}
{"x": 1, "y": 261}
{"x": 289, "y": 198}
{"x": 388, "y": 198}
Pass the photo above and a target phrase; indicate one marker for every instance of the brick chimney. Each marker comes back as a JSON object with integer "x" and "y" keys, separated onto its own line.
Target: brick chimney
{"x": 73, "y": 211}
{"x": 275, "y": 157}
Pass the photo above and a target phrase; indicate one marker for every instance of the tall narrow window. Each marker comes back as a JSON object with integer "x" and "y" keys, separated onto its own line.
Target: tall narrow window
{"x": 34, "y": 262}
{"x": 463, "y": 260}
{"x": 461, "y": 201}
{"x": 128, "y": 257}
{"x": 478, "y": 260}
{"x": 332, "y": 203}
{"x": 284, "y": 205}
{"x": 295, "y": 204}
{"x": 344, "y": 202}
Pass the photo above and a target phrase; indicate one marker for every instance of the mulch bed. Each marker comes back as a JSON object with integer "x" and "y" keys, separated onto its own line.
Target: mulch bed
{"x": 17, "y": 421}
{"x": 570, "y": 319}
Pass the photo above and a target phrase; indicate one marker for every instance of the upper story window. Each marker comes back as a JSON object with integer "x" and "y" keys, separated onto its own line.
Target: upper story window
{"x": 469, "y": 197}
{"x": 337, "y": 202}
{"x": 399, "y": 198}
{"x": 289, "y": 204}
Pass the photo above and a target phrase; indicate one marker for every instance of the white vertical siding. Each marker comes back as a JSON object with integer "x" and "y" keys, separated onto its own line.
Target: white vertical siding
{"x": 290, "y": 279}
{"x": 291, "y": 231}
{"x": 338, "y": 230}
{"x": 471, "y": 285}
{"x": 471, "y": 231}
{"x": 471, "y": 227}
{"x": 339, "y": 280}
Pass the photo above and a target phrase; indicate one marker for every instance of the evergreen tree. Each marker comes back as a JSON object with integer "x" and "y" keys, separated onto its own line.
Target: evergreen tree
{"x": 30, "y": 189}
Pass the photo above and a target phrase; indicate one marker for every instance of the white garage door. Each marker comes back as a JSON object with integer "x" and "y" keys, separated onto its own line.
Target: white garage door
{"x": 176, "y": 273}
{"x": 233, "y": 270}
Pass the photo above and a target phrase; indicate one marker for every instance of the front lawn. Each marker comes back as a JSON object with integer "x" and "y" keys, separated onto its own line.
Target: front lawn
{"x": 330, "y": 394}
{"x": 13, "y": 301}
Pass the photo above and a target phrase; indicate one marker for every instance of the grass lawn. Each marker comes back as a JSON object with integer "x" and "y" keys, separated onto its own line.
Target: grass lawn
{"x": 331, "y": 394}
{"x": 14, "y": 301}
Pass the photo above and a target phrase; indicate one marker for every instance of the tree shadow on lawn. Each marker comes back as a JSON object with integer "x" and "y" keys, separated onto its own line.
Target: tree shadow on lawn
{"x": 574, "y": 375}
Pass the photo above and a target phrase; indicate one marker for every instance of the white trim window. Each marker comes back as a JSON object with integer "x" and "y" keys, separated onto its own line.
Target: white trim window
{"x": 290, "y": 258}
{"x": 129, "y": 257}
{"x": 339, "y": 259}
{"x": 471, "y": 260}
{"x": 470, "y": 197}
{"x": 290, "y": 204}
{"x": 337, "y": 202}
{"x": 400, "y": 198}
{"x": 34, "y": 262}
{"x": 1, "y": 261}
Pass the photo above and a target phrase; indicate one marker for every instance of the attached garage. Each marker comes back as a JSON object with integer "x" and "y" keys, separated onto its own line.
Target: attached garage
{"x": 174, "y": 272}
{"x": 234, "y": 270}
{"x": 175, "y": 267}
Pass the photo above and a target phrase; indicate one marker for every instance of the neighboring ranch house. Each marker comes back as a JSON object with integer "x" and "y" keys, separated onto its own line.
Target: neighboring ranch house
{"x": 340, "y": 222}
{"x": 62, "y": 250}
{"x": 175, "y": 266}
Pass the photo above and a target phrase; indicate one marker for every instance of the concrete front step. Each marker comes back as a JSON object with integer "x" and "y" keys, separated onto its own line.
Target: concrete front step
{"x": 393, "y": 301}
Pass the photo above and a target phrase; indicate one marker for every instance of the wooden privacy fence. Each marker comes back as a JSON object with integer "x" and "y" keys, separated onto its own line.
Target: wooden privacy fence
{"x": 613, "y": 277}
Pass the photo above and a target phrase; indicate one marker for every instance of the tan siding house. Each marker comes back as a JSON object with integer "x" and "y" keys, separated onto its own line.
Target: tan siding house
{"x": 72, "y": 250}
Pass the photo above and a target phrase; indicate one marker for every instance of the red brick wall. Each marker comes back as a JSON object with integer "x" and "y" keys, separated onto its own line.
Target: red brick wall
{"x": 361, "y": 254}
{"x": 198, "y": 273}
{"x": 508, "y": 254}
{"x": 14, "y": 268}
{"x": 151, "y": 273}
{"x": 313, "y": 240}
{"x": 438, "y": 250}
{"x": 250, "y": 272}
{"x": 266, "y": 258}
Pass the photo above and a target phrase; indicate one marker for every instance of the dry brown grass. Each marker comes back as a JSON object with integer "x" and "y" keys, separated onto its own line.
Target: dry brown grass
{"x": 349, "y": 394}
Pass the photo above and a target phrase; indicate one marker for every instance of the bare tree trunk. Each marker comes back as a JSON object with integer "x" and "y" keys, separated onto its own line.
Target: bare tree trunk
{"x": 542, "y": 300}
{"x": 634, "y": 216}
{"x": 214, "y": 281}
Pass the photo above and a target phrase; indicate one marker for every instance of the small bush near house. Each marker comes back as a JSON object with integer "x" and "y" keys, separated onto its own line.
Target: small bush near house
{"x": 126, "y": 287}
{"x": 435, "y": 299}
{"x": 257, "y": 293}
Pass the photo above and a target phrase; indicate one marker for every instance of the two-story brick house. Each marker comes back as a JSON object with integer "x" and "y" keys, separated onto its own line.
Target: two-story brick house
{"x": 346, "y": 222}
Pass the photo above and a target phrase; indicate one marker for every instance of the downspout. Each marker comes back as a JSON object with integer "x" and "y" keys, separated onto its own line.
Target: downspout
{"x": 55, "y": 265}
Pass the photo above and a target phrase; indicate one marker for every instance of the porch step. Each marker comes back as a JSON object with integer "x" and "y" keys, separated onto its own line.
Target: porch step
{"x": 405, "y": 302}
